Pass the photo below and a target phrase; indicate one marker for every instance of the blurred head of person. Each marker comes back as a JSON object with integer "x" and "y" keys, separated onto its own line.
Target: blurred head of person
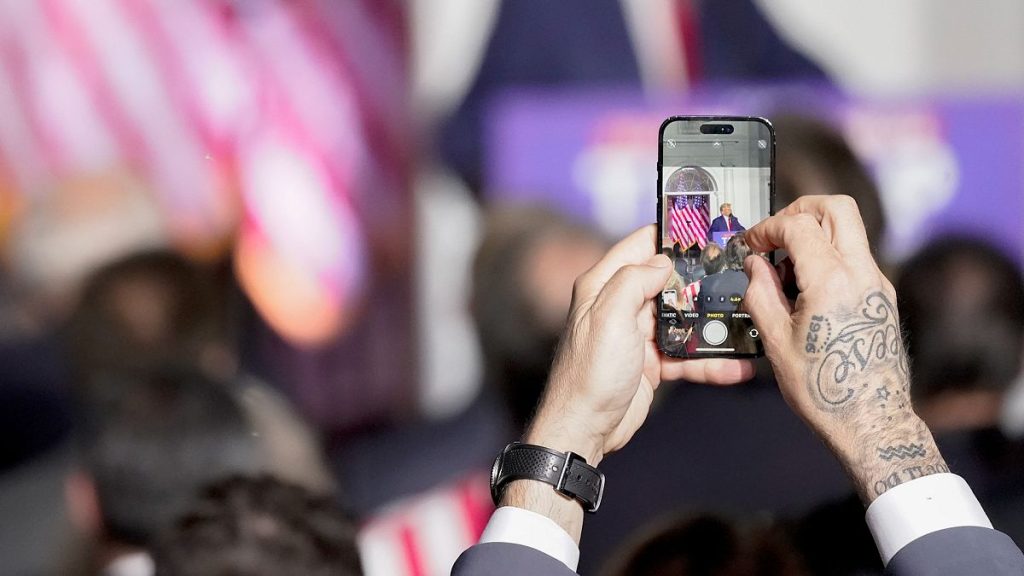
{"x": 961, "y": 302}
{"x": 725, "y": 209}
{"x": 148, "y": 442}
{"x": 711, "y": 259}
{"x": 259, "y": 526}
{"x": 149, "y": 308}
{"x": 523, "y": 275}
{"x": 708, "y": 546}
{"x": 736, "y": 250}
{"x": 158, "y": 308}
{"x": 813, "y": 158}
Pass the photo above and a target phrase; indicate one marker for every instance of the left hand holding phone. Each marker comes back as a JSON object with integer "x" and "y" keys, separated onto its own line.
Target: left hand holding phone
{"x": 608, "y": 365}
{"x": 607, "y": 369}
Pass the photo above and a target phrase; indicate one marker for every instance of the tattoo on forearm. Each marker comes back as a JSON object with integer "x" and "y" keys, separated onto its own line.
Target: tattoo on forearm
{"x": 902, "y": 452}
{"x": 870, "y": 337}
{"x": 857, "y": 373}
{"x": 908, "y": 474}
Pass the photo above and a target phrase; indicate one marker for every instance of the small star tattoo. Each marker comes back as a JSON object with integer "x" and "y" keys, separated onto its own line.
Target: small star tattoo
{"x": 883, "y": 393}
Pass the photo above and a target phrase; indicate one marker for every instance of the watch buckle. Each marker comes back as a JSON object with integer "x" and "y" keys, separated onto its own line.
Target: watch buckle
{"x": 563, "y": 477}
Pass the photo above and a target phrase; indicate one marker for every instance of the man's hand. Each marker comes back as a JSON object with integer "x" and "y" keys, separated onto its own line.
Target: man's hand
{"x": 607, "y": 368}
{"x": 837, "y": 352}
{"x": 608, "y": 364}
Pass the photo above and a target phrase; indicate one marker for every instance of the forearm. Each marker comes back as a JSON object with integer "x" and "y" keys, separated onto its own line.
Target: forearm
{"x": 541, "y": 498}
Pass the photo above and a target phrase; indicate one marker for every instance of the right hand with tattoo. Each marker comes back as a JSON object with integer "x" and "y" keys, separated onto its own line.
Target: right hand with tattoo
{"x": 837, "y": 351}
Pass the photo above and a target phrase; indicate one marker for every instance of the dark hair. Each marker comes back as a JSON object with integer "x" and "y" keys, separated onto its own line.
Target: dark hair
{"x": 961, "y": 302}
{"x": 736, "y": 250}
{"x": 709, "y": 546}
{"x": 810, "y": 151}
{"x": 259, "y": 527}
{"x": 148, "y": 308}
{"x": 150, "y": 440}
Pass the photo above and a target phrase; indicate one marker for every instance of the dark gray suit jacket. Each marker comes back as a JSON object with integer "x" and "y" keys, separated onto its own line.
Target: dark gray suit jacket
{"x": 951, "y": 552}
{"x": 723, "y": 284}
{"x": 500, "y": 559}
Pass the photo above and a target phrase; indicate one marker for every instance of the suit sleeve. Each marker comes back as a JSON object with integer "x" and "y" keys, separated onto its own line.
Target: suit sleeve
{"x": 958, "y": 551}
{"x": 713, "y": 228}
{"x": 504, "y": 559}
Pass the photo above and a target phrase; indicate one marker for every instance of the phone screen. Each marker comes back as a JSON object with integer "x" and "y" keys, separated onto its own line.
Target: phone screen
{"x": 714, "y": 182}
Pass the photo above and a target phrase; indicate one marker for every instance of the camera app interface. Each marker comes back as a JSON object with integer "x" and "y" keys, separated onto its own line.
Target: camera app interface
{"x": 715, "y": 183}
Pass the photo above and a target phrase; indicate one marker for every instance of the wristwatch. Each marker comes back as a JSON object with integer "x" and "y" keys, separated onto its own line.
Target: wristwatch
{"x": 568, "y": 472}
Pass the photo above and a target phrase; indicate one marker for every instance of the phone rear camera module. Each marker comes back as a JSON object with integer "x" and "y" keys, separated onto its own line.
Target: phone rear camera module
{"x": 716, "y": 129}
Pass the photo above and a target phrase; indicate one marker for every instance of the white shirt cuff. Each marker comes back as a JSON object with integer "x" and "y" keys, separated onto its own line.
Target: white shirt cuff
{"x": 518, "y": 526}
{"x": 918, "y": 508}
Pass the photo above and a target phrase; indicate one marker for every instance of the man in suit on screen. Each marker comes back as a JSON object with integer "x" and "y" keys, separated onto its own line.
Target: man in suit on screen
{"x": 726, "y": 222}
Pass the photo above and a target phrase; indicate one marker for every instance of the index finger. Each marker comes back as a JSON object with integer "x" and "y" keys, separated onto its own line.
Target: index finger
{"x": 802, "y": 237}
{"x": 840, "y": 220}
{"x": 637, "y": 248}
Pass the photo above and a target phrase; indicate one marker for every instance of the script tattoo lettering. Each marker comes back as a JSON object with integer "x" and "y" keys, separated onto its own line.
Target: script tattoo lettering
{"x": 873, "y": 337}
{"x": 908, "y": 474}
{"x": 891, "y": 481}
{"x": 902, "y": 452}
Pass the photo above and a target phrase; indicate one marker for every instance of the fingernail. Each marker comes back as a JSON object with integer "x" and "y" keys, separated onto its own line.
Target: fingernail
{"x": 659, "y": 261}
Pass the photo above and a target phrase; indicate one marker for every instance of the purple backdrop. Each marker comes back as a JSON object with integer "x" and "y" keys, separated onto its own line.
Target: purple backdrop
{"x": 943, "y": 164}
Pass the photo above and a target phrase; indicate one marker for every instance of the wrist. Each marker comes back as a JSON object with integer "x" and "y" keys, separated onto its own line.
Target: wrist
{"x": 547, "y": 481}
{"x": 881, "y": 459}
{"x": 538, "y": 497}
{"x": 563, "y": 436}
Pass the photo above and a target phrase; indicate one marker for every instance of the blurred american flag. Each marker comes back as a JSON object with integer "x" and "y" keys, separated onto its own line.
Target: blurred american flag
{"x": 213, "y": 103}
{"x": 280, "y": 126}
{"x": 423, "y": 535}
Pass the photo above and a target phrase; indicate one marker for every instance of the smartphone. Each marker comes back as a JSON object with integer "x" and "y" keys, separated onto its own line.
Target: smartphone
{"x": 715, "y": 180}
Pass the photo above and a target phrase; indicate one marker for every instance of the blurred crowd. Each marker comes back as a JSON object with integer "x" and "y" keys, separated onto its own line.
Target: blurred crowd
{"x": 261, "y": 314}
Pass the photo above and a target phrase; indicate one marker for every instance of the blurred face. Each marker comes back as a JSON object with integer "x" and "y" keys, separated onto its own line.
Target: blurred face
{"x": 550, "y": 272}
{"x": 727, "y": 210}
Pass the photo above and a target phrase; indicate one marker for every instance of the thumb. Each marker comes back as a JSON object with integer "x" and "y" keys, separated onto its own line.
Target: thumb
{"x": 765, "y": 300}
{"x": 632, "y": 286}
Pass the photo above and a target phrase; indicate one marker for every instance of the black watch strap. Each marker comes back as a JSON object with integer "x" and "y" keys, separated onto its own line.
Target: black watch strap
{"x": 568, "y": 472}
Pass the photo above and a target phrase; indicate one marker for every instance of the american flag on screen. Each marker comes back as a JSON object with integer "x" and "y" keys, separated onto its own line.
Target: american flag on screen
{"x": 690, "y": 294}
{"x": 688, "y": 220}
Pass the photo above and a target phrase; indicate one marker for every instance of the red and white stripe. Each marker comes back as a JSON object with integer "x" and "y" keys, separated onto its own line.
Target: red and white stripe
{"x": 689, "y": 297}
{"x": 688, "y": 225}
{"x": 179, "y": 92}
{"x": 286, "y": 122}
{"x": 425, "y": 534}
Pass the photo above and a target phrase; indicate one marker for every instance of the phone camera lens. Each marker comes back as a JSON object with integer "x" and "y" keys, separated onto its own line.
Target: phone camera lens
{"x": 716, "y": 129}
